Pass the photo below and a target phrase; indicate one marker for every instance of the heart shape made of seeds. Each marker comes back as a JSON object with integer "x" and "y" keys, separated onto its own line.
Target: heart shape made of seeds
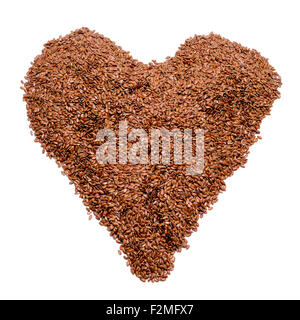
{"x": 83, "y": 82}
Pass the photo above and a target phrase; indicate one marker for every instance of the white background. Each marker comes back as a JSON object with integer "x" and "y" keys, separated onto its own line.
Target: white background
{"x": 246, "y": 247}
